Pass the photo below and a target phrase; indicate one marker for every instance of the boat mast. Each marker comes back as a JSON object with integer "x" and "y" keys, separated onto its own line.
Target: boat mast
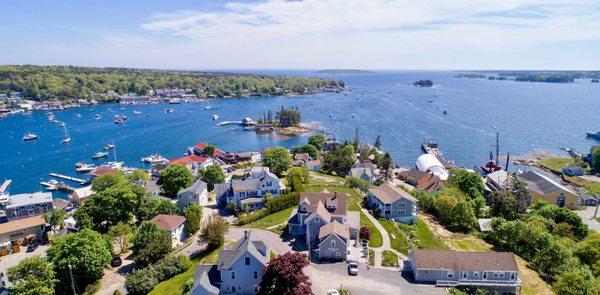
{"x": 115, "y": 151}
{"x": 497, "y": 148}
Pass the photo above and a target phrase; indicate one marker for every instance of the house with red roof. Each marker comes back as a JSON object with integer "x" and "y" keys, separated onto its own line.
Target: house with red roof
{"x": 102, "y": 170}
{"x": 174, "y": 224}
{"x": 199, "y": 150}
{"x": 194, "y": 162}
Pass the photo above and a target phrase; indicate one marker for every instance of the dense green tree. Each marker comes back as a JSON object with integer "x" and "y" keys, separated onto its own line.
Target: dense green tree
{"x": 454, "y": 210}
{"x": 209, "y": 149}
{"x": 339, "y": 161}
{"x": 588, "y": 252}
{"x": 87, "y": 253}
{"x": 137, "y": 175}
{"x": 355, "y": 182}
{"x": 317, "y": 140}
{"x": 141, "y": 282}
{"x": 288, "y": 117}
{"x": 213, "y": 232}
{"x": 193, "y": 216}
{"x": 56, "y": 219}
{"x": 577, "y": 281}
{"x": 278, "y": 160}
{"x": 387, "y": 165}
{"x": 121, "y": 200}
{"x": 32, "y": 276}
{"x": 509, "y": 202}
{"x": 106, "y": 181}
{"x": 150, "y": 207}
{"x": 120, "y": 235}
{"x": 150, "y": 243}
{"x": 561, "y": 215}
{"x": 175, "y": 178}
{"x": 212, "y": 175}
{"x": 299, "y": 174}
{"x": 309, "y": 149}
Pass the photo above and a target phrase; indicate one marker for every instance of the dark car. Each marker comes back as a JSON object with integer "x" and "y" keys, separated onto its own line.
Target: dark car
{"x": 32, "y": 247}
{"x": 116, "y": 261}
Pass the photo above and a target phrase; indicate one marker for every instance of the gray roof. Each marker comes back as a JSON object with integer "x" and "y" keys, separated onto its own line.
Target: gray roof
{"x": 29, "y": 199}
{"x": 358, "y": 172}
{"x": 251, "y": 200}
{"x": 457, "y": 260}
{"x": 207, "y": 277}
{"x": 387, "y": 194}
{"x": 541, "y": 183}
{"x": 248, "y": 244}
{"x": 196, "y": 188}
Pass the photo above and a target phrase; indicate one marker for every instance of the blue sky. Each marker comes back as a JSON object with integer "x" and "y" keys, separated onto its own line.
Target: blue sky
{"x": 310, "y": 34}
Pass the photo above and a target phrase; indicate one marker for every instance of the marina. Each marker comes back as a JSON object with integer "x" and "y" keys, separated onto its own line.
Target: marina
{"x": 70, "y": 178}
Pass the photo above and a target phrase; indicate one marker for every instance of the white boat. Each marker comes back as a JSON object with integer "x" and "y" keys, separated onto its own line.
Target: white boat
{"x": 137, "y": 113}
{"x": 207, "y": 108}
{"x": 78, "y": 115}
{"x": 154, "y": 159}
{"x": 99, "y": 155}
{"x": 215, "y": 117}
{"x": 122, "y": 109}
{"x": 29, "y": 137}
{"x": 85, "y": 168}
{"x": 67, "y": 136}
{"x": 119, "y": 121}
{"x": 168, "y": 111}
{"x": 114, "y": 165}
{"x": 109, "y": 147}
{"x": 97, "y": 117}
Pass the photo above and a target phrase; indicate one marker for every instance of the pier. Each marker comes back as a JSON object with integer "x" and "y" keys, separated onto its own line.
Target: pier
{"x": 74, "y": 179}
{"x": 223, "y": 123}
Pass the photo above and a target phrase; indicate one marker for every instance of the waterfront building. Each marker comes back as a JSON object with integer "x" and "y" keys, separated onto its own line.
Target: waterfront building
{"x": 543, "y": 187}
{"x": 27, "y": 205}
{"x": 173, "y": 224}
{"x": 393, "y": 202}
{"x": 79, "y": 195}
{"x": 249, "y": 192}
{"x": 430, "y": 163}
{"x": 239, "y": 270}
{"x": 22, "y": 231}
{"x": 493, "y": 271}
{"x": 195, "y": 194}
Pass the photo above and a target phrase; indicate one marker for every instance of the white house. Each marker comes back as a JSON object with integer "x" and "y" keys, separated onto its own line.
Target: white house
{"x": 174, "y": 224}
{"x": 250, "y": 191}
{"x": 195, "y": 194}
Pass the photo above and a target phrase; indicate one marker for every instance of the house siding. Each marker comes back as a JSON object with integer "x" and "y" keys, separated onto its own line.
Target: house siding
{"x": 329, "y": 252}
{"x": 395, "y": 209}
{"x": 244, "y": 280}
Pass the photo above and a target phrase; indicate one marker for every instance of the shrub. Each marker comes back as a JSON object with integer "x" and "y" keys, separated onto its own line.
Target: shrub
{"x": 275, "y": 205}
{"x": 141, "y": 282}
{"x": 171, "y": 266}
{"x": 365, "y": 233}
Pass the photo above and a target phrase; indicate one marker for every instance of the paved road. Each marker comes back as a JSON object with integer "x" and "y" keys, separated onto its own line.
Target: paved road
{"x": 374, "y": 281}
{"x": 114, "y": 277}
{"x": 278, "y": 244}
{"x": 587, "y": 214}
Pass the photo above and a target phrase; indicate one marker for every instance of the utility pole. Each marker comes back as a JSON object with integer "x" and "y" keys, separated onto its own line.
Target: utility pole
{"x": 597, "y": 205}
{"x": 72, "y": 281}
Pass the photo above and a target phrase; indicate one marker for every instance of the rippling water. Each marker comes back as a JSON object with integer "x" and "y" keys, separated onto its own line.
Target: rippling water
{"x": 529, "y": 116}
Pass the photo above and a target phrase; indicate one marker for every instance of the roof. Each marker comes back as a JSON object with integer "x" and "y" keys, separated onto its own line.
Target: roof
{"x": 83, "y": 192}
{"x": 250, "y": 244}
{"x": 499, "y": 177}
{"x": 21, "y": 224}
{"x": 457, "y": 260}
{"x": 29, "y": 199}
{"x": 387, "y": 194}
{"x": 428, "y": 162}
{"x": 247, "y": 184}
{"x": 196, "y": 188}
{"x": 207, "y": 277}
{"x": 314, "y": 199}
{"x": 413, "y": 173}
{"x": 60, "y": 203}
{"x": 302, "y": 156}
{"x": 102, "y": 170}
{"x": 168, "y": 222}
{"x": 202, "y": 145}
{"x": 314, "y": 163}
{"x": 358, "y": 172}
{"x": 430, "y": 182}
{"x": 353, "y": 219}
{"x": 251, "y": 200}
{"x": 334, "y": 227}
{"x": 188, "y": 159}
{"x": 369, "y": 165}
{"x": 541, "y": 183}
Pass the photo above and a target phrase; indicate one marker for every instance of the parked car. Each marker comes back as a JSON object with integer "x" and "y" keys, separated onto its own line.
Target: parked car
{"x": 116, "y": 261}
{"x": 353, "y": 268}
{"x": 32, "y": 247}
{"x": 333, "y": 292}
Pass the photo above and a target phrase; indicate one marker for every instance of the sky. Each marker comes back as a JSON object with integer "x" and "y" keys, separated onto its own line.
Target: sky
{"x": 309, "y": 34}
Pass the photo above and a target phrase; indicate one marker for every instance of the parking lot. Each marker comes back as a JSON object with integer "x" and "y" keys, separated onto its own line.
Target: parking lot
{"x": 14, "y": 259}
{"x": 325, "y": 277}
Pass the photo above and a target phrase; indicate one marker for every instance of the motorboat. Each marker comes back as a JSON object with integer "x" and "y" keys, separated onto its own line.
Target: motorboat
{"x": 114, "y": 165}
{"x": 122, "y": 109}
{"x": 30, "y": 137}
{"x": 97, "y": 117}
{"x": 168, "y": 111}
{"x": 215, "y": 117}
{"x": 154, "y": 159}
{"x": 445, "y": 112}
{"x": 594, "y": 135}
{"x": 207, "y": 107}
{"x": 85, "y": 168}
{"x": 99, "y": 155}
{"x": 119, "y": 121}
{"x": 137, "y": 113}
{"x": 78, "y": 115}
{"x": 109, "y": 147}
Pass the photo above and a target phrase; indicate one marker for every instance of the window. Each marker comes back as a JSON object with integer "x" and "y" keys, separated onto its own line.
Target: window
{"x": 327, "y": 253}
{"x": 465, "y": 273}
{"x": 401, "y": 212}
{"x": 475, "y": 274}
{"x": 332, "y": 243}
{"x": 495, "y": 275}
{"x": 560, "y": 201}
{"x": 501, "y": 275}
{"x": 450, "y": 274}
{"x": 512, "y": 276}
{"x": 233, "y": 277}
{"x": 247, "y": 260}
{"x": 484, "y": 275}
{"x": 337, "y": 253}
{"x": 256, "y": 274}
{"x": 402, "y": 204}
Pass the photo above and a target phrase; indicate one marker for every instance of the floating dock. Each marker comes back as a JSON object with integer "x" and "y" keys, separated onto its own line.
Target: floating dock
{"x": 223, "y": 123}
{"x": 74, "y": 179}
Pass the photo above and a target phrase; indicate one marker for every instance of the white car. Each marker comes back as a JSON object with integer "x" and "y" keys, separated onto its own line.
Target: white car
{"x": 333, "y": 292}
{"x": 353, "y": 268}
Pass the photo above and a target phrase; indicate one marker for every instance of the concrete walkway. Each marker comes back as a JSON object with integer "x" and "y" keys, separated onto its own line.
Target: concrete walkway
{"x": 385, "y": 238}
{"x": 587, "y": 216}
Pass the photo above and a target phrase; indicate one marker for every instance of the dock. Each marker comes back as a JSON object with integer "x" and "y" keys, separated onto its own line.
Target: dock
{"x": 4, "y": 186}
{"x": 70, "y": 178}
{"x": 223, "y": 123}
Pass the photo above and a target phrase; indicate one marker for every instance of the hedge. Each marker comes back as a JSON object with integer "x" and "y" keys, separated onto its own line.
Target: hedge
{"x": 144, "y": 280}
{"x": 275, "y": 205}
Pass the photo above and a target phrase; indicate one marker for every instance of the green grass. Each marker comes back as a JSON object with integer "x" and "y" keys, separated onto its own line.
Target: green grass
{"x": 598, "y": 219}
{"x": 556, "y": 164}
{"x": 397, "y": 239}
{"x": 272, "y": 255}
{"x": 371, "y": 257}
{"x": 376, "y": 238}
{"x": 389, "y": 258}
{"x": 271, "y": 219}
{"x": 174, "y": 286}
{"x": 426, "y": 238}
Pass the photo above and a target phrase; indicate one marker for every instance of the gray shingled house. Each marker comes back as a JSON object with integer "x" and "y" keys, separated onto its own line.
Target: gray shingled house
{"x": 393, "y": 202}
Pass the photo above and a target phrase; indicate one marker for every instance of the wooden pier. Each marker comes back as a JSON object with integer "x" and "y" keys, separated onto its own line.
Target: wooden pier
{"x": 70, "y": 178}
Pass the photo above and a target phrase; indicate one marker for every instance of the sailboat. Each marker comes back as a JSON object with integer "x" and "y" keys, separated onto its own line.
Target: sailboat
{"x": 67, "y": 136}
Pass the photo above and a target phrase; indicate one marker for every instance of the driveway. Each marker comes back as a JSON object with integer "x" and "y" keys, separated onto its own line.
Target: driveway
{"x": 587, "y": 217}
{"x": 13, "y": 259}
{"x": 278, "y": 244}
{"x": 374, "y": 281}
{"x": 114, "y": 277}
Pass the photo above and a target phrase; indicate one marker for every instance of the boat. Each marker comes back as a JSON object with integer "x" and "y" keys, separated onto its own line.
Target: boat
{"x": 84, "y": 168}
{"x": 51, "y": 185}
{"x": 67, "y": 136}
{"x": 137, "y": 113}
{"x": 430, "y": 100}
{"x": 595, "y": 135}
{"x": 174, "y": 101}
{"x": 215, "y": 117}
{"x": 97, "y": 117}
{"x": 78, "y": 115}
{"x": 109, "y": 147}
{"x": 189, "y": 112}
{"x": 154, "y": 159}
{"x": 168, "y": 111}
{"x": 119, "y": 120}
{"x": 431, "y": 147}
{"x": 122, "y": 109}
{"x": 445, "y": 112}
{"x": 147, "y": 115}
{"x": 113, "y": 165}
{"x": 29, "y": 137}
{"x": 54, "y": 121}
{"x": 207, "y": 107}
{"x": 99, "y": 155}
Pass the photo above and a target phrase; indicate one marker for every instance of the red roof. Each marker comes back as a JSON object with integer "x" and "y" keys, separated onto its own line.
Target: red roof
{"x": 168, "y": 222}
{"x": 202, "y": 145}
{"x": 188, "y": 159}
{"x": 102, "y": 170}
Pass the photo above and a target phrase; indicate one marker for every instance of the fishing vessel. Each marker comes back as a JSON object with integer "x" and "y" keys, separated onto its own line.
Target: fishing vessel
{"x": 215, "y": 117}
{"x": 50, "y": 185}
{"x": 67, "y": 136}
{"x": 29, "y": 137}
{"x": 154, "y": 159}
{"x": 431, "y": 147}
{"x": 99, "y": 155}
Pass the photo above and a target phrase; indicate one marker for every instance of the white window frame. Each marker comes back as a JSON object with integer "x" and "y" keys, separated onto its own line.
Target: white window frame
{"x": 475, "y": 274}
{"x": 513, "y": 276}
{"x": 327, "y": 253}
{"x": 450, "y": 274}
{"x": 484, "y": 275}
{"x": 465, "y": 274}
{"x": 332, "y": 243}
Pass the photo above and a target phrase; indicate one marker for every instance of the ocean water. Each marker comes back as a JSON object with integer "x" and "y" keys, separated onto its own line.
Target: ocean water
{"x": 529, "y": 116}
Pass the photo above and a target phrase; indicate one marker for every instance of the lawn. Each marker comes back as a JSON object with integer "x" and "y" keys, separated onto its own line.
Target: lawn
{"x": 175, "y": 285}
{"x": 371, "y": 257}
{"x": 426, "y": 238}
{"x": 271, "y": 219}
{"x": 556, "y": 164}
{"x": 389, "y": 258}
{"x": 397, "y": 239}
{"x": 376, "y": 238}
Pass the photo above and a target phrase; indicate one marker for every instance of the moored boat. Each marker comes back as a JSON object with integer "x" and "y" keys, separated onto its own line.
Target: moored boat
{"x": 29, "y": 137}
{"x": 119, "y": 121}
{"x": 137, "y": 113}
{"x": 154, "y": 159}
{"x": 99, "y": 155}
{"x": 109, "y": 147}
{"x": 215, "y": 117}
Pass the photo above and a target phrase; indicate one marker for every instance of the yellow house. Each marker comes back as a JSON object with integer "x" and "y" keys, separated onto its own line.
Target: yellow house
{"x": 542, "y": 187}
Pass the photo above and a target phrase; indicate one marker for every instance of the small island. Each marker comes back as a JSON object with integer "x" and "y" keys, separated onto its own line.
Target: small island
{"x": 285, "y": 121}
{"x": 471, "y": 75}
{"x": 423, "y": 83}
{"x": 546, "y": 77}
{"x": 344, "y": 72}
